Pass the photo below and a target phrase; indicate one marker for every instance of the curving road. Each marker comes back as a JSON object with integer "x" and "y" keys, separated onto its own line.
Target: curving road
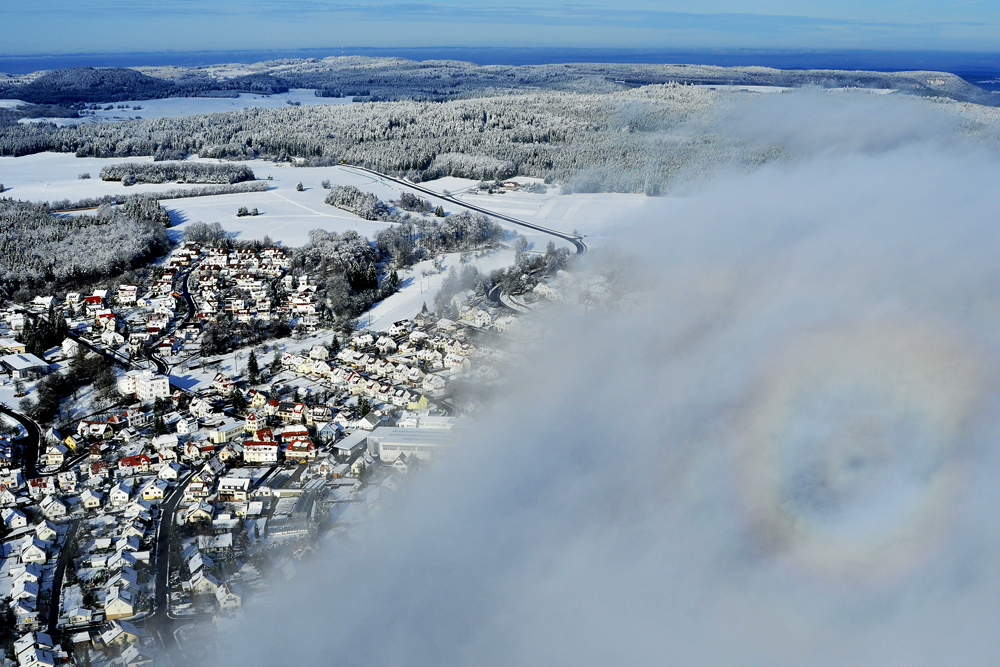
{"x": 30, "y": 447}
{"x": 577, "y": 241}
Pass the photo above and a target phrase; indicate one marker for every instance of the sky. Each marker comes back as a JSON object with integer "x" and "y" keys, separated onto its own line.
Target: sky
{"x": 783, "y": 454}
{"x": 111, "y": 26}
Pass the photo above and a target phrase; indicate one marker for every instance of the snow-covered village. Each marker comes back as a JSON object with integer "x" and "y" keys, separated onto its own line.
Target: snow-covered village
{"x": 427, "y": 335}
{"x": 179, "y": 437}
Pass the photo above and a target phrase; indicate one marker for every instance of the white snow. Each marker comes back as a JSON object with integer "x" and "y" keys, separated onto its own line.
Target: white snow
{"x": 288, "y": 215}
{"x": 417, "y": 289}
{"x": 175, "y": 107}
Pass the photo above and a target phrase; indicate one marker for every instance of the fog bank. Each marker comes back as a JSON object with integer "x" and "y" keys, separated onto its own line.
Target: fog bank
{"x": 786, "y": 455}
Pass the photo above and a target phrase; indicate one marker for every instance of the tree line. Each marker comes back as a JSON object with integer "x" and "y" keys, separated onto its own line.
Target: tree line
{"x": 179, "y": 172}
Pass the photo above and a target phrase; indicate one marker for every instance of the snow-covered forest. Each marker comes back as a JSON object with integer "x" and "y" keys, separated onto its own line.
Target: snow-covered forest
{"x": 629, "y": 141}
{"x": 178, "y": 172}
{"x": 81, "y": 85}
{"x": 363, "y": 204}
{"x": 38, "y": 248}
{"x": 343, "y": 267}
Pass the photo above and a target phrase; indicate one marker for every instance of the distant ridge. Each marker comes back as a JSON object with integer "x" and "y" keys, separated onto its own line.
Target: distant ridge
{"x": 386, "y": 79}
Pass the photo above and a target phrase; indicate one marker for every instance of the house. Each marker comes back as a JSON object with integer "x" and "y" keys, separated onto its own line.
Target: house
{"x": 223, "y": 384}
{"x": 133, "y": 465}
{"x": 256, "y": 399}
{"x": 200, "y": 408}
{"x": 229, "y": 452}
{"x": 38, "y": 486}
{"x": 319, "y": 353}
{"x": 13, "y": 518}
{"x": 186, "y": 426}
{"x": 254, "y": 422}
{"x": 234, "y": 489}
{"x": 55, "y": 455}
{"x": 53, "y": 508}
{"x": 168, "y": 441}
{"x": 144, "y": 385}
{"x": 483, "y": 318}
{"x": 7, "y": 497}
{"x": 200, "y": 511}
{"x": 91, "y": 499}
{"x": 46, "y": 531}
{"x": 154, "y": 490}
{"x": 204, "y": 583}
{"x": 69, "y": 348}
{"x": 265, "y": 453}
{"x": 433, "y": 383}
{"x": 33, "y": 550}
{"x": 228, "y": 597}
{"x": 228, "y": 430}
{"x": 300, "y": 450}
{"x": 170, "y": 471}
{"x": 385, "y": 345}
{"x": 399, "y": 328}
{"x": 119, "y": 603}
{"x": 199, "y": 561}
{"x": 198, "y": 449}
{"x": 121, "y": 633}
{"x": 121, "y": 493}
{"x": 290, "y": 433}
{"x": 134, "y": 656}
{"x": 319, "y": 413}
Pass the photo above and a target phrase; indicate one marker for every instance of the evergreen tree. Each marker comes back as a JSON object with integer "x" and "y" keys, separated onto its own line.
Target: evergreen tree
{"x": 252, "y": 369}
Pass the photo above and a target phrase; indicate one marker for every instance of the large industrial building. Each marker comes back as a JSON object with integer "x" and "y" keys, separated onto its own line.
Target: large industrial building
{"x": 387, "y": 442}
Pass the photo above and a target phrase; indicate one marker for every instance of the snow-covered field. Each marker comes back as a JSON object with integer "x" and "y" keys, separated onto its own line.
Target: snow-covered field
{"x": 288, "y": 215}
{"x": 175, "y": 107}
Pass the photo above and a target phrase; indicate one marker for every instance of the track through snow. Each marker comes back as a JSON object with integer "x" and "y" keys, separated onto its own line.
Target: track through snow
{"x": 576, "y": 240}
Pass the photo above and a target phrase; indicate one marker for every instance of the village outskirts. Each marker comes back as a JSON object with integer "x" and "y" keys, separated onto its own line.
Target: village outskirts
{"x": 156, "y": 479}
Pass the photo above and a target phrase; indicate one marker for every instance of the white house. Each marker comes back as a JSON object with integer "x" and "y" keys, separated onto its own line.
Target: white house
{"x": 33, "y": 551}
{"x": 203, "y": 583}
{"x": 119, "y": 603}
{"x": 260, "y": 452}
{"x": 154, "y": 490}
{"x": 121, "y": 493}
{"x": 228, "y": 597}
{"x": 13, "y": 518}
{"x": 170, "y": 472}
{"x": 52, "y": 508}
{"x": 91, "y": 499}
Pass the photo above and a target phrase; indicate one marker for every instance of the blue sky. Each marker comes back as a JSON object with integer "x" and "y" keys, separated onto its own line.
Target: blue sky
{"x": 106, "y": 26}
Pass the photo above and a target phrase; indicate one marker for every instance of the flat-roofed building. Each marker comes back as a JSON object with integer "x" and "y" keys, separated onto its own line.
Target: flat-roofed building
{"x": 387, "y": 442}
{"x": 23, "y": 366}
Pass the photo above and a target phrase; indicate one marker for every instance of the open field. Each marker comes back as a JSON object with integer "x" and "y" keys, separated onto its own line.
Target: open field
{"x": 287, "y": 215}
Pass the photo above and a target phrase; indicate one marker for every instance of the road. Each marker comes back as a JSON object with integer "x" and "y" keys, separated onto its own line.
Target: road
{"x": 30, "y": 444}
{"x": 577, "y": 241}
{"x": 160, "y": 622}
{"x": 64, "y": 554}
